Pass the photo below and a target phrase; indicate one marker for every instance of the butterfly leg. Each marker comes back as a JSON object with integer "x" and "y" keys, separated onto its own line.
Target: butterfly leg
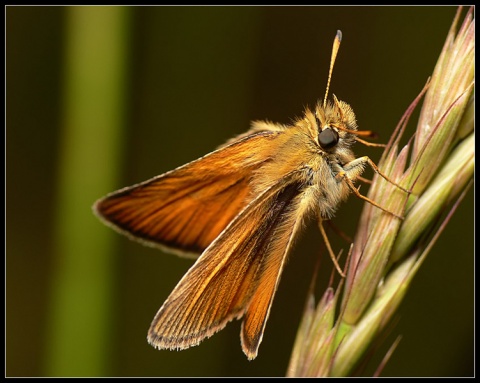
{"x": 329, "y": 248}
{"x": 360, "y": 163}
{"x": 353, "y": 169}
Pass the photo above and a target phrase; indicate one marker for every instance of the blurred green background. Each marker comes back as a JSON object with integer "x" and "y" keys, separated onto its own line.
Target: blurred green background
{"x": 100, "y": 98}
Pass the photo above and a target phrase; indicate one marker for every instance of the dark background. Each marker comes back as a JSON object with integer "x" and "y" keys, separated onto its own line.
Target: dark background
{"x": 194, "y": 77}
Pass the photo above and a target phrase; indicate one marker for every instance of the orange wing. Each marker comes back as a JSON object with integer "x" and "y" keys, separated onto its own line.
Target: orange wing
{"x": 237, "y": 274}
{"x": 187, "y": 208}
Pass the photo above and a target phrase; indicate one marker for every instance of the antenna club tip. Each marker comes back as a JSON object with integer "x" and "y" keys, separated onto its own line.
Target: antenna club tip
{"x": 339, "y": 35}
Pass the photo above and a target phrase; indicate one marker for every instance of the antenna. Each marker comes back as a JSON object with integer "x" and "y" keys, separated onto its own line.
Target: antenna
{"x": 336, "y": 46}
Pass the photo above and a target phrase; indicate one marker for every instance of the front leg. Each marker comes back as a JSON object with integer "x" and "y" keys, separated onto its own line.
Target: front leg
{"x": 354, "y": 168}
{"x": 351, "y": 170}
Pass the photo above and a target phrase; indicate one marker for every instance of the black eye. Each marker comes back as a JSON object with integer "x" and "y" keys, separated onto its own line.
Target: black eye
{"x": 328, "y": 138}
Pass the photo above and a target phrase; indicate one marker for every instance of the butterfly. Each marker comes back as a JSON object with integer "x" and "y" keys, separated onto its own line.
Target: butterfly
{"x": 239, "y": 209}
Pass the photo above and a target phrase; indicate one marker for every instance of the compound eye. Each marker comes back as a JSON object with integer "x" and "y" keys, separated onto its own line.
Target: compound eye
{"x": 328, "y": 138}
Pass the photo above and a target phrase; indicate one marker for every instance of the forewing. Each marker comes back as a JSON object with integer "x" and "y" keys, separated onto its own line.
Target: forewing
{"x": 246, "y": 258}
{"x": 187, "y": 208}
